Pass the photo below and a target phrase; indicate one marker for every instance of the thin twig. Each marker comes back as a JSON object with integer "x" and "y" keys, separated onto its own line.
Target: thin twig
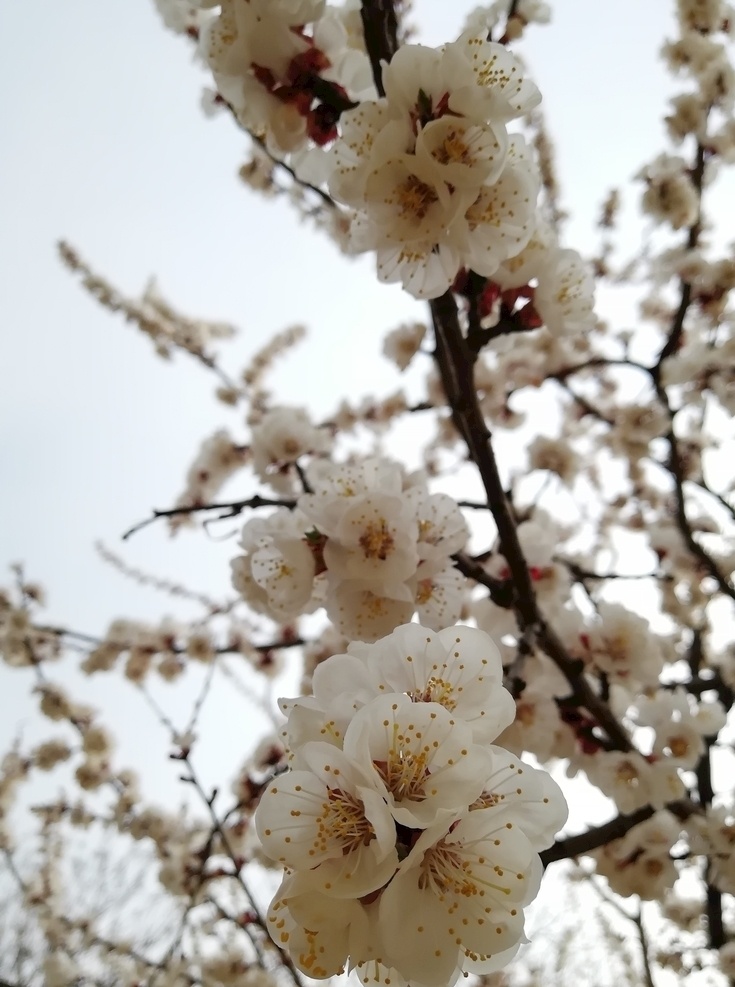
{"x": 327, "y": 199}
{"x": 643, "y": 939}
{"x": 237, "y": 864}
{"x": 232, "y": 509}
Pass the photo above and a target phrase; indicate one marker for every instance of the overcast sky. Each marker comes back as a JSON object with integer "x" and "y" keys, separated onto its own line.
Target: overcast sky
{"x": 104, "y": 144}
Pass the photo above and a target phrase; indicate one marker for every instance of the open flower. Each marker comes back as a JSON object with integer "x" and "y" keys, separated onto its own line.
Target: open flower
{"x": 320, "y": 932}
{"x": 420, "y": 758}
{"x": 329, "y": 821}
{"x": 459, "y": 668}
{"x": 460, "y": 892}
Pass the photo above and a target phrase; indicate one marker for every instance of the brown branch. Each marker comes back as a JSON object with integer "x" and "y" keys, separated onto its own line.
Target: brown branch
{"x": 500, "y": 590}
{"x": 705, "y": 789}
{"x": 715, "y": 924}
{"x": 673, "y": 341}
{"x": 473, "y": 505}
{"x": 582, "y": 401}
{"x": 233, "y": 508}
{"x": 602, "y": 361}
{"x": 643, "y": 939}
{"x": 456, "y": 363}
{"x": 137, "y": 312}
{"x": 477, "y": 337}
{"x": 676, "y": 468}
{"x": 580, "y": 574}
{"x": 380, "y": 26}
{"x": 615, "y": 829}
{"x": 715, "y": 683}
{"x": 278, "y": 163}
{"x": 637, "y": 919}
{"x": 91, "y": 936}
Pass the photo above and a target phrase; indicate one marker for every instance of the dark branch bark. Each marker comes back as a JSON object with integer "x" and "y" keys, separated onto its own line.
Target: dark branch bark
{"x": 500, "y": 590}
{"x": 380, "y": 25}
{"x": 232, "y": 509}
{"x": 238, "y": 864}
{"x": 456, "y": 364}
{"x": 715, "y": 924}
{"x": 615, "y": 829}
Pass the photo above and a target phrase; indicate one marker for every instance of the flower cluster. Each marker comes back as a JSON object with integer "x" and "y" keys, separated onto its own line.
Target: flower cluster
{"x": 369, "y": 542}
{"x": 437, "y": 181}
{"x": 281, "y": 437}
{"x": 410, "y": 841}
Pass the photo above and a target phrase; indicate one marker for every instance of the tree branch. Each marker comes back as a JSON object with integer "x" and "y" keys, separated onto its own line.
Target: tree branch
{"x": 380, "y": 25}
{"x": 715, "y": 924}
{"x": 643, "y": 939}
{"x": 456, "y": 363}
{"x": 615, "y": 829}
{"x": 233, "y": 508}
{"x": 500, "y": 590}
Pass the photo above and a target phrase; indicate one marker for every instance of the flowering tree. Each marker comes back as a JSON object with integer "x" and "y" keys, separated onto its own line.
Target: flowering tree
{"x": 465, "y": 629}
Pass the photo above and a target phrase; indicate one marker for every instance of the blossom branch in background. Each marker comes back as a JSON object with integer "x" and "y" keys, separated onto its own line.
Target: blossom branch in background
{"x": 550, "y": 578}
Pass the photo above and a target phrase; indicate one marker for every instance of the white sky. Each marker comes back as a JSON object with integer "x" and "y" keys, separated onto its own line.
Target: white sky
{"x": 104, "y": 144}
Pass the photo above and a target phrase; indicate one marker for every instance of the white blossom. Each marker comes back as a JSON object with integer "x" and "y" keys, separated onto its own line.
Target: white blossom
{"x": 564, "y": 297}
{"x": 398, "y": 807}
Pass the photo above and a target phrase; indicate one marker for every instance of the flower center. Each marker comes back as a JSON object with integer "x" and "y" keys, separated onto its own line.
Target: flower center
{"x": 526, "y": 714}
{"x": 678, "y": 746}
{"x": 486, "y": 801}
{"x": 627, "y": 773}
{"x": 444, "y": 870}
{"x": 453, "y": 150}
{"x": 416, "y": 198}
{"x": 376, "y": 541}
{"x": 404, "y": 773}
{"x": 343, "y": 821}
{"x": 617, "y": 647}
{"x": 436, "y": 690}
{"x": 423, "y": 594}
